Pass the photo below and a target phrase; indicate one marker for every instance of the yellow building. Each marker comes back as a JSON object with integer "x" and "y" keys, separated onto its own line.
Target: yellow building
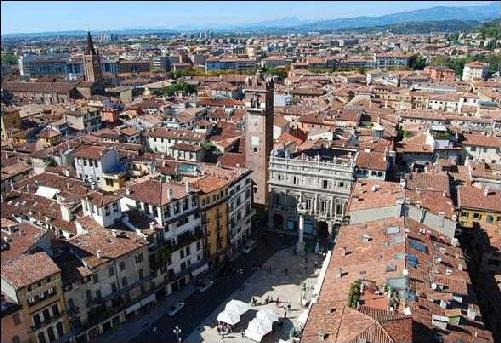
{"x": 49, "y": 137}
{"x": 478, "y": 206}
{"x": 113, "y": 181}
{"x": 33, "y": 281}
{"x": 10, "y": 119}
{"x": 213, "y": 203}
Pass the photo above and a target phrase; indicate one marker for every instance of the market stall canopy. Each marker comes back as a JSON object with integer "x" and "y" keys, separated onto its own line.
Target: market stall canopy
{"x": 267, "y": 314}
{"x": 228, "y": 317}
{"x": 258, "y": 328}
{"x": 237, "y": 306}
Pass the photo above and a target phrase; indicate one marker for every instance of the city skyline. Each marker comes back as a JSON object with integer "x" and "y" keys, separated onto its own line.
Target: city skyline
{"x": 30, "y": 17}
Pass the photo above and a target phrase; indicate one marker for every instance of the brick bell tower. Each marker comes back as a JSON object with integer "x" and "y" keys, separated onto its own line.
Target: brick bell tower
{"x": 92, "y": 62}
{"x": 259, "y": 133}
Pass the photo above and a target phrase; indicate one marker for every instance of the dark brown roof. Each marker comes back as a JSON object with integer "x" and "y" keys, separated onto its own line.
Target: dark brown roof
{"x": 39, "y": 87}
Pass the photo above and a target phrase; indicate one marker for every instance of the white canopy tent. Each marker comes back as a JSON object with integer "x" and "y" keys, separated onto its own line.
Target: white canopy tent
{"x": 258, "y": 328}
{"x": 237, "y": 306}
{"x": 267, "y": 314}
{"x": 228, "y": 317}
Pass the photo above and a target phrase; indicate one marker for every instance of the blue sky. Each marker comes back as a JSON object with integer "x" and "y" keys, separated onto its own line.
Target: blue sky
{"x": 43, "y": 16}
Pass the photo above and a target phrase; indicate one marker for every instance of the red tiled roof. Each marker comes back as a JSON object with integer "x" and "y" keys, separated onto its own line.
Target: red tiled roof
{"x": 28, "y": 269}
{"x": 470, "y": 197}
{"x": 371, "y": 161}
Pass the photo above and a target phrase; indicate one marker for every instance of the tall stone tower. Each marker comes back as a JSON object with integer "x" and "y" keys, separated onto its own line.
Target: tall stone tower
{"x": 259, "y": 133}
{"x": 92, "y": 62}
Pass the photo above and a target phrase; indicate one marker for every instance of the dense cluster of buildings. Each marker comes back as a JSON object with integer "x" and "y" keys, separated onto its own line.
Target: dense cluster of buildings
{"x": 117, "y": 193}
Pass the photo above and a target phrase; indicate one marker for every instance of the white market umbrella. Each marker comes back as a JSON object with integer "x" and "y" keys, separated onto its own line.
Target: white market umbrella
{"x": 237, "y": 306}
{"x": 267, "y": 314}
{"x": 228, "y": 317}
{"x": 258, "y": 328}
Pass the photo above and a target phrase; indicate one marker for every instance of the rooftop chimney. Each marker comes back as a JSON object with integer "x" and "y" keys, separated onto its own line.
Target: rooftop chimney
{"x": 99, "y": 253}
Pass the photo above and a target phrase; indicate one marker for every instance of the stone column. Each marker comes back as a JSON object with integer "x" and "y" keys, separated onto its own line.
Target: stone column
{"x": 300, "y": 241}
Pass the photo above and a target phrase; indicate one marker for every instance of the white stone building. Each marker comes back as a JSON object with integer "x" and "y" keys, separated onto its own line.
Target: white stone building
{"x": 321, "y": 183}
{"x": 177, "y": 242}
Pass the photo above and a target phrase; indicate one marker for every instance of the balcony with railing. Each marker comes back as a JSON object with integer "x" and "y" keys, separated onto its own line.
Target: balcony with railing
{"x": 47, "y": 321}
{"x": 37, "y": 299}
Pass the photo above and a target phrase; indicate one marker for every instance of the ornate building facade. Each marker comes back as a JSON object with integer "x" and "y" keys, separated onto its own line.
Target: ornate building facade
{"x": 319, "y": 184}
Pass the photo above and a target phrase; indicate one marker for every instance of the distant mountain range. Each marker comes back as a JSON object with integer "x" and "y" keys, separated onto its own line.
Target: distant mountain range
{"x": 439, "y": 13}
{"x": 467, "y": 14}
{"x": 421, "y": 27}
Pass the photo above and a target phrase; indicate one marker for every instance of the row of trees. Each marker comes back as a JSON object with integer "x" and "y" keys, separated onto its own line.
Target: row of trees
{"x": 183, "y": 87}
{"x": 457, "y": 63}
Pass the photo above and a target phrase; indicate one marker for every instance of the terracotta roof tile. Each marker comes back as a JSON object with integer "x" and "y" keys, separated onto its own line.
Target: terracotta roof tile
{"x": 28, "y": 269}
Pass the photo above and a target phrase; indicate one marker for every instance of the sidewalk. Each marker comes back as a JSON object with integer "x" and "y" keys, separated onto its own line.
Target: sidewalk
{"x": 129, "y": 329}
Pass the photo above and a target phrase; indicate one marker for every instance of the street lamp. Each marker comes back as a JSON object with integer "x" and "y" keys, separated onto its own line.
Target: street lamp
{"x": 177, "y": 331}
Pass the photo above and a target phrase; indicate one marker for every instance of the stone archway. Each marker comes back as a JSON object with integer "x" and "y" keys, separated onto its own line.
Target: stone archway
{"x": 322, "y": 230}
{"x": 278, "y": 222}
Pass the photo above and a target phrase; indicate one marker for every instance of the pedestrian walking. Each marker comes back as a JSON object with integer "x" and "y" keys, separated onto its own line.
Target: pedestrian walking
{"x": 270, "y": 269}
{"x": 155, "y": 329}
{"x": 285, "y": 271}
{"x": 316, "y": 265}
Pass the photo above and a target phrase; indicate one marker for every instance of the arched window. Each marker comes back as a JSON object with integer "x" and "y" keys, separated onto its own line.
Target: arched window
{"x": 71, "y": 304}
{"x": 88, "y": 295}
{"x": 60, "y": 329}
{"x": 41, "y": 337}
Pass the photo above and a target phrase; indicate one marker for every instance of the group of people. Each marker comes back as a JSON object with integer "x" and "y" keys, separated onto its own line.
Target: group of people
{"x": 224, "y": 328}
{"x": 267, "y": 300}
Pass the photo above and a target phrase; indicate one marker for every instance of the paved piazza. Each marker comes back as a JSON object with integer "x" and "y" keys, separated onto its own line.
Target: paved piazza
{"x": 262, "y": 284}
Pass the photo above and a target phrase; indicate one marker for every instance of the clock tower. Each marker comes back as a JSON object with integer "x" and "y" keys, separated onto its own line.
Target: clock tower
{"x": 259, "y": 133}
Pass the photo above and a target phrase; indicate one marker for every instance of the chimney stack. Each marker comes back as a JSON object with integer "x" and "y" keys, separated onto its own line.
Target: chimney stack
{"x": 99, "y": 253}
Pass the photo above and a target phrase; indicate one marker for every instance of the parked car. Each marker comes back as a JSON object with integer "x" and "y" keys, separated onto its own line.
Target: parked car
{"x": 175, "y": 308}
{"x": 205, "y": 285}
{"x": 249, "y": 246}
